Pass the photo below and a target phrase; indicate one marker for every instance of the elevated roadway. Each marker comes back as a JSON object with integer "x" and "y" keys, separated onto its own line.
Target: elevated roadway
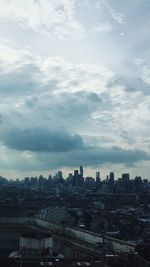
{"x": 80, "y": 241}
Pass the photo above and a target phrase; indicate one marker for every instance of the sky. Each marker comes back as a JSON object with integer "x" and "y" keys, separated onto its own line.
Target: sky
{"x": 74, "y": 87}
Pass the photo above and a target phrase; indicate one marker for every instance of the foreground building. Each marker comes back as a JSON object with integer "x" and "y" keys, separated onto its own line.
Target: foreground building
{"x": 39, "y": 242}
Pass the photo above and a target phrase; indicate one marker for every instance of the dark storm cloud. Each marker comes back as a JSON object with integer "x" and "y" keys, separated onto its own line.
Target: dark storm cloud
{"x": 92, "y": 157}
{"x": 39, "y": 139}
{"x": 87, "y": 157}
{"x": 95, "y": 156}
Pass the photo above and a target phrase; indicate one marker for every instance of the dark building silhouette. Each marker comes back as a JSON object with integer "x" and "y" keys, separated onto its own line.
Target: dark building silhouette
{"x": 81, "y": 171}
{"x": 98, "y": 180}
{"x": 125, "y": 177}
{"x": 111, "y": 181}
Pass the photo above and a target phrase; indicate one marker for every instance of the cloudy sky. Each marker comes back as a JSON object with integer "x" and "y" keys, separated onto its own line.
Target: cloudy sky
{"x": 74, "y": 86}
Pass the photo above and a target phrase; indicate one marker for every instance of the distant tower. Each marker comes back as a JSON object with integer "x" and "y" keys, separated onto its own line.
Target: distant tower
{"x": 59, "y": 175}
{"x": 76, "y": 178}
{"x": 111, "y": 181}
{"x": 97, "y": 175}
{"x": 76, "y": 172}
{"x": 125, "y": 177}
{"x": 98, "y": 180}
{"x": 126, "y": 182}
{"x": 112, "y": 177}
{"x": 81, "y": 171}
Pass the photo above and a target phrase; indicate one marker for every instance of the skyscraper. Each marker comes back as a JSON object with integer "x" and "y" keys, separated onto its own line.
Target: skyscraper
{"x": 125, "y": 177}
{"x": 76, "y": 178}
{"x": 98, "y": 180}
{"x": 81, "y": 171}
{"x": 111, "y": 181}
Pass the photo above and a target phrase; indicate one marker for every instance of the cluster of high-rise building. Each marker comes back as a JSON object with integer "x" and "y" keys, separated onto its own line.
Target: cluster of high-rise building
{"x": 78, "y": 180}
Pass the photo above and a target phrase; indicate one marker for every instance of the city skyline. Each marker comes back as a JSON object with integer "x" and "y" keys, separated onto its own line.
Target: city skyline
{"x": 74, "y": 87}
{"x": 78, "y": 180}
{"x": 85, "y": 174}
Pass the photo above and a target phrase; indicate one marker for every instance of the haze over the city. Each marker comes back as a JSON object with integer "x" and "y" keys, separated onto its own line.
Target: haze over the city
{"x": 74, "y": 86}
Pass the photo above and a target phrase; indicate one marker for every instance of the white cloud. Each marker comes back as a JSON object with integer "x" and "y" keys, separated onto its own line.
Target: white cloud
{"x": 55, "y": 17}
